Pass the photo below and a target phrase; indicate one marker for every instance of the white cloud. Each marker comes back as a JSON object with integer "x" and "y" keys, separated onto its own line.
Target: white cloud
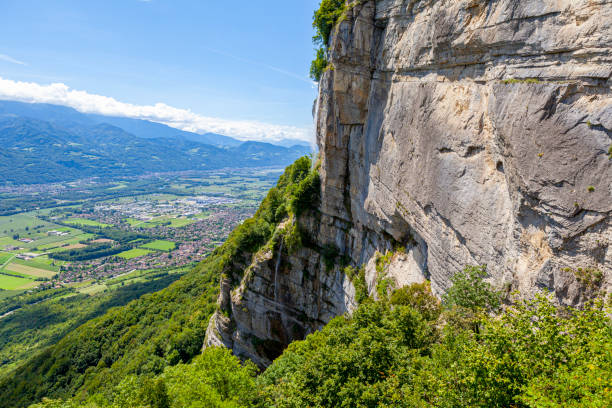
{"x": 61, "y": 94}
{"x": 12, "y": 60}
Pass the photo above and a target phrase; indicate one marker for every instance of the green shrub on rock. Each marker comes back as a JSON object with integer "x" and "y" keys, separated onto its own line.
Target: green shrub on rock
{"x": 470, "y": 291}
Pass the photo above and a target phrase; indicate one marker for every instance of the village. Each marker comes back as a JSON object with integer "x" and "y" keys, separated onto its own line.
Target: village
{"x": 193, "y": 243}
{"x": 174, "y": 222}
{"x": 152, "y": 209}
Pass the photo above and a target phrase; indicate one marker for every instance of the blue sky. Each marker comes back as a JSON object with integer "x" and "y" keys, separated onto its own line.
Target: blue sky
{"x": 242, "y": 62}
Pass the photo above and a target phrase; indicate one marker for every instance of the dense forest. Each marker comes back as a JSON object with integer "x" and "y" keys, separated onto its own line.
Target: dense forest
{"x": 42, "y": 318}
{"x": 407, "y": 350}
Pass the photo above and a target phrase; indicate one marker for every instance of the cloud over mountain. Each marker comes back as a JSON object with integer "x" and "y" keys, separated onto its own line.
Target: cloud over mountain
{"x": 61, "y": 94}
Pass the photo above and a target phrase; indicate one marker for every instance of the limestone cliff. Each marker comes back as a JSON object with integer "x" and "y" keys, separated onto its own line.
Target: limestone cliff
{"x": 464, "y": 132}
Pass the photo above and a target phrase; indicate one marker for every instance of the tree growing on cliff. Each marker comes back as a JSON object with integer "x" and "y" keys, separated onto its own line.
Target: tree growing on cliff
{"x": 318, "y": 65}
{"x": 324, "y": 20}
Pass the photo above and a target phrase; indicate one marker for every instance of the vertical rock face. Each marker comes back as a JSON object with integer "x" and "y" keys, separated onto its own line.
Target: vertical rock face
{"x": 464, "y": 132}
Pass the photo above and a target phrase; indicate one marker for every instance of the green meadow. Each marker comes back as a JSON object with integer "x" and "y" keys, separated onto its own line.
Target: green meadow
{"x": 160, "y": 245}
{"x": 13, "y": 282}
{"x": 133, "y": 253}
{"x": 86, "y": 222}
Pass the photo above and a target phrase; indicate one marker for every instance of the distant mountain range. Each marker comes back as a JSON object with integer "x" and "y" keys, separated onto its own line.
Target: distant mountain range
{"x": 47, "y": 143}
{"x": 63, "y": 115}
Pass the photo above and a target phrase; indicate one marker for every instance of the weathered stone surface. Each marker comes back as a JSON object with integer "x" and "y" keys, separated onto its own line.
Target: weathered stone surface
{"x": 466, "y": 131}
{"x": 282, "y": 297}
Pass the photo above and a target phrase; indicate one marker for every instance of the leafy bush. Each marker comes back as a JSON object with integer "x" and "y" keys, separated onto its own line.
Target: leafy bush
{"x": 357, "y": 277}
{"x": 588, "y": 277}
{"x": 293, "y": 237}
{"x": 324, "y": 19}
{"x": 347, "y": 364}
{"x": 420, "y": 297}
{"x": 215, "y": 379}
{"x": 404, "y": 354}
{"x": 306, "y": 194}
{"x": 318, "y": 65}
{"x": 383, "y": 284}
{"x": 470, "y": 291}
{"x": 393, "y": 356}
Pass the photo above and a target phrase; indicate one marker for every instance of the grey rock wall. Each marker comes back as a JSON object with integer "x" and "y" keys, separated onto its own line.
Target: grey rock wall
{"x": 465, "y": 131}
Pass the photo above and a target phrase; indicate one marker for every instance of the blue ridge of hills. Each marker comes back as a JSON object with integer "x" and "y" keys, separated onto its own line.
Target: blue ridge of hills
{"x": 62, "y": 115}
{"x": 48, "y": 143}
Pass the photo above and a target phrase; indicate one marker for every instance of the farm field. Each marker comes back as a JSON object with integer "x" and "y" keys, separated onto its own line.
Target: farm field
{"x": 143, "y": 197}
{"x": 92, "y": 289}
{"x": 4, "y": 258}
{"x": 13, "y": 282}
{"x": 174, "y": 222}
{"x": 160, "y": 245}
{"x": 67, "y": 240}
{"x": 133, "y": 253}
{"x": 127, "y": 277}
{"x": 180, "y": 222}
{"x": 22, "y": 224}
{"x": 86, "y": 222}
{"x": 9, "y": 241}
{"x": 43, "y": 242}
{"x": 68, "y": 247}
{"x": 134, "y": 222}
{"x": 30, "y": 270}
{"x": 42, "y": 262}
{"x": 144, "y": 224}
{"x": 119, "y": 186}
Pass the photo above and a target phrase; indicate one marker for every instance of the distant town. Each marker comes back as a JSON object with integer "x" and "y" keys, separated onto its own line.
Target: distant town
{"x": 87, "y": 234}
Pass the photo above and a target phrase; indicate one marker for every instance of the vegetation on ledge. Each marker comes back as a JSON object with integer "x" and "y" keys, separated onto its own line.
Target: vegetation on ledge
{"x": 324, "y": 20}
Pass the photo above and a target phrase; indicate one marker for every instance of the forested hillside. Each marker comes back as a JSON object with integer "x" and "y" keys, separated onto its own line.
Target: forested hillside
{"x": 41, "y": 319}
{"x": 36, "y": 151}
{"x": 160, "y": 329}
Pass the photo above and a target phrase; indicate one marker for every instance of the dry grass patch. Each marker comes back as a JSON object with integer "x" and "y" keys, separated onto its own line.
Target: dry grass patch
{"x": 30, "y": 271}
